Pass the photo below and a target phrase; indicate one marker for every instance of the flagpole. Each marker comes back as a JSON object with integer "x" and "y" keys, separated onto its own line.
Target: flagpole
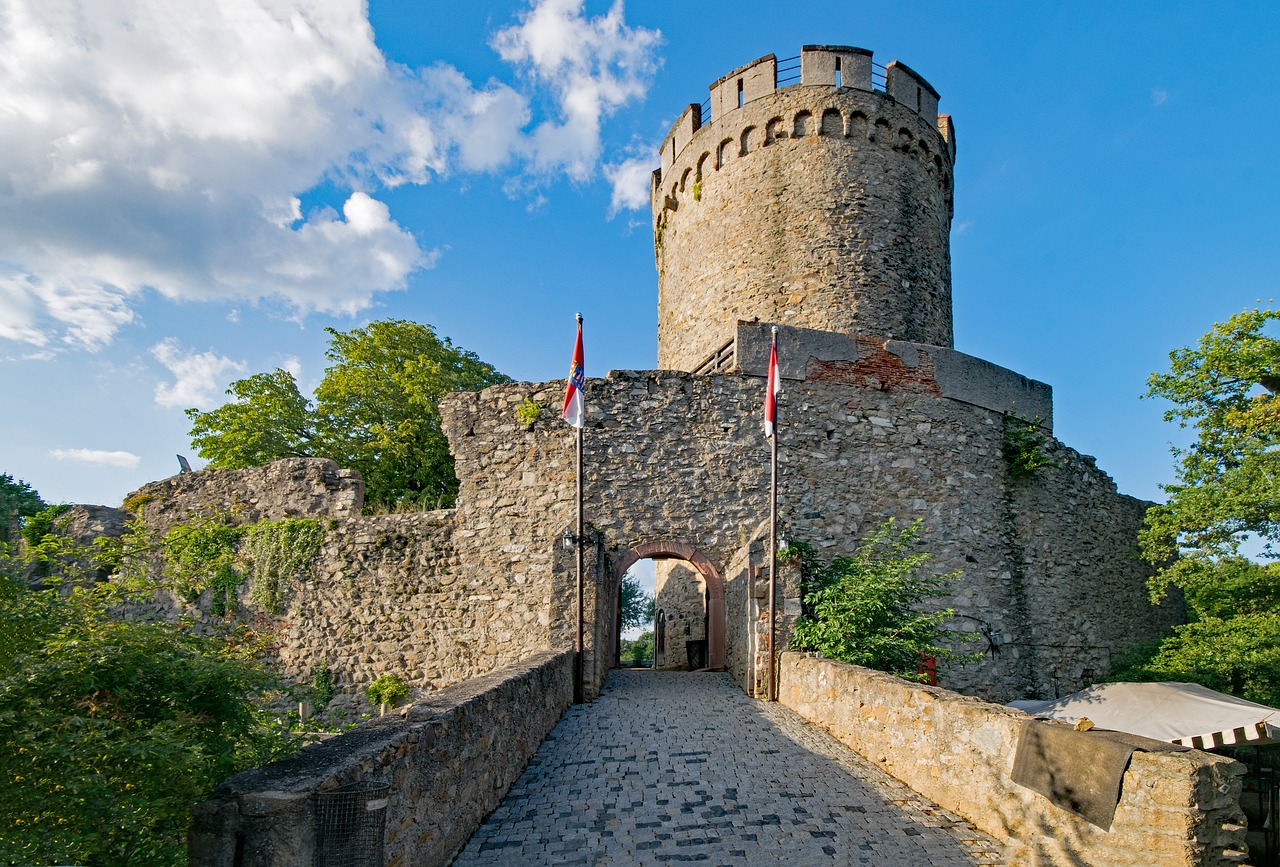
{"x": 773, "y": 532}
{"x": 578, "y": 686}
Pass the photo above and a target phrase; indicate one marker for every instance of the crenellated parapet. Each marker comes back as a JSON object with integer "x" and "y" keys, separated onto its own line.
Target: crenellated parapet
{"x": 820, "y": 65}
{"x": 822, "y": 203}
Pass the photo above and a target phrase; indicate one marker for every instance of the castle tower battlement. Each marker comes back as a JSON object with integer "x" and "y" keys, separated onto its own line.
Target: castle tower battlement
{"x": 822, "y": 200}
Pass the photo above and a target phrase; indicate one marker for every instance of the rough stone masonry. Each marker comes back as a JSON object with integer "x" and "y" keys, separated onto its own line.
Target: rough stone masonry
{"x": 822, "y": 205}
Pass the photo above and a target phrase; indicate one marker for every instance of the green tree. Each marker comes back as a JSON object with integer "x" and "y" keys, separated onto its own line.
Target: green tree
{"x": 1227, "y": 492}
{"x": 864, "y": 609}
{"x": 17, "y": 500}
{"x": 638, "y": 650}
{"x": 1228, "y": 486}
{"x": 267, "y": 421}
{"x": 376, "y": 410}
{"x": 637, "y": 606}
{"x": 113, "y": 728}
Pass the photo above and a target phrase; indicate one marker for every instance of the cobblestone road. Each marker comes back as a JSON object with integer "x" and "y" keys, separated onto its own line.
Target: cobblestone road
{"x": 666, "y": 768}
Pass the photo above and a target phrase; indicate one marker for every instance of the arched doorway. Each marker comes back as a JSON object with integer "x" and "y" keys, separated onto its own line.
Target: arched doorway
{"x": 663, "y": 549}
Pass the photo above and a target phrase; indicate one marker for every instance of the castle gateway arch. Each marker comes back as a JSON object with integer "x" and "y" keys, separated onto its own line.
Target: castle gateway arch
{"x": 662, "y": 549}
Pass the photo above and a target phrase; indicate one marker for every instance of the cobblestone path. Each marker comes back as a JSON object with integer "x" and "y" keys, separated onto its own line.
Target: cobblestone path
{"x": 666, "y": 768}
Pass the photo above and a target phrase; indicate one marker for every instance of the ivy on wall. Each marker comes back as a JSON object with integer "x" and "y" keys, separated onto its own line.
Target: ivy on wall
{"x": 211, "y": 553}
{"x": 277, "y": 551}
{"x": 1024, "y": 446}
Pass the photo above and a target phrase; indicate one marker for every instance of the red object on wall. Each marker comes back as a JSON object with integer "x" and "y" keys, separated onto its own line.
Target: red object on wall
{"x": 928, "y": 667}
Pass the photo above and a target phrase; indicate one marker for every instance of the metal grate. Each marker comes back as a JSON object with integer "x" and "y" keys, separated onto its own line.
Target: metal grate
{"x": 350, "y": 825}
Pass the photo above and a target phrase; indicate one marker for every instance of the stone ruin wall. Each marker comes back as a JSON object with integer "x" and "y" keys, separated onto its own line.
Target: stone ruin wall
{"x": 387, "y": 594}
{"x": 290, "y": 488}
{"x": 812, "y": 205}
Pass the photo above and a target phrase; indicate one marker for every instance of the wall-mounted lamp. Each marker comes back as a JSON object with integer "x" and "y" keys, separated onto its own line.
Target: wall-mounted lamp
{"x": 784, "y": 542}
{"x": 569, "y": 539}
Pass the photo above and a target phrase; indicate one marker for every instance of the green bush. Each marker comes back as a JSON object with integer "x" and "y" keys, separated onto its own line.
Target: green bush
{"x": 639, "y": 650}
{"x": 1236, "y": 655}
{"x": 862, "y": 609}
{"x": 387, "y": 689}
{"x": 1024, "y": 446}
{"x": 112, "y": 728}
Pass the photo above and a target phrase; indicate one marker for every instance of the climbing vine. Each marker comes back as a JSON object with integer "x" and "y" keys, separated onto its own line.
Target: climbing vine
{"x": 211, "y": 553}
{"x": 1024, "y": 446}
{"x": 277, "y": 551}
{"x": 202, "y": 554}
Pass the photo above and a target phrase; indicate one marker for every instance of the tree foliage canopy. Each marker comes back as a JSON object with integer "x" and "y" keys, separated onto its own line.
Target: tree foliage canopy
{"x": 1227, "y": 492}
{"x": 864, "y": 609}
{"x": 1228, "y": 484}
{"x": 376, "y": 411}
{"x": 637, "y": 606}
{"x": 16, "y": 498}
{"x": 113, "y": 728}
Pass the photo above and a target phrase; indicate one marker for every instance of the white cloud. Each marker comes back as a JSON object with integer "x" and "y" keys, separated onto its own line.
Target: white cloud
{"x": 164, "y": 145}
{"x": 127, "y": 460}
{"x": 593, "y": 66}
{"x": 1159, "y": 96}
{"x": 199, "y": 377}
{"x": 630, "y": 179}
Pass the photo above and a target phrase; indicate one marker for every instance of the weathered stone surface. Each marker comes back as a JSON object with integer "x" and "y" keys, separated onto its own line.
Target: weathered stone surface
{"x": 448, "y": 761}
{"x": 812, "y": 205}
{"x": 681, "y": 457}
{"x": 958, "y": 752}
{"x": 680, "y": 603}
{"x": 289, "y": 488}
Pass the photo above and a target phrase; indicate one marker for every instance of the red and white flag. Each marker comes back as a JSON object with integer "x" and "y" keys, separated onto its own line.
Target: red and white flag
{"x": 772, "y": 390}
{"x": 573, "y": 412}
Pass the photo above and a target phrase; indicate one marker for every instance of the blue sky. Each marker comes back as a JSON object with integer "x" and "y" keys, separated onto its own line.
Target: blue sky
{"x": 192, "y": 192}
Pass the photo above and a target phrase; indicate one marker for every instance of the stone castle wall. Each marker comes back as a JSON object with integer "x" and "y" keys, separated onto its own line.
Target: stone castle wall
{"x": 1051, "y": 577}
{"x": 812, "y": 205}
{"x": 289, "y": 488}
{"x": 681, "y": 597}
{"x": 671, "y": 456}
{"x": 389, "y": 594}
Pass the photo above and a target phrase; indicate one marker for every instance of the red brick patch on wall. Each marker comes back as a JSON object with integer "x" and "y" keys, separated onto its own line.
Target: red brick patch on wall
{"x": 878, "y": 368}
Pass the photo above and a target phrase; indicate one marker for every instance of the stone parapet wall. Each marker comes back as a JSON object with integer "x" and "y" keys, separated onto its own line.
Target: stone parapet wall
{"x": 826, "y": 356}
{"x": 448, "y": 760}
{"x": 1175, "y": 808}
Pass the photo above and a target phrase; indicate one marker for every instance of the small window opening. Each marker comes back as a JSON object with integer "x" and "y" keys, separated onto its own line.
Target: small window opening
{"x": 837, "y": 72}
{"x": 919, "y": 99}
{"x": 739, "y": 93}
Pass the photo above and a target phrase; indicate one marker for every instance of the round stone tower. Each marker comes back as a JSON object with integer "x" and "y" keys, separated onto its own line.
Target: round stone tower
{"x": 821, "y": 200}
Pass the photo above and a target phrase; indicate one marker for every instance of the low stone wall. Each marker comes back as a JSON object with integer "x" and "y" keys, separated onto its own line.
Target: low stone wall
{"x": 449, "y": 761}
{"x": 1175, "y": 808}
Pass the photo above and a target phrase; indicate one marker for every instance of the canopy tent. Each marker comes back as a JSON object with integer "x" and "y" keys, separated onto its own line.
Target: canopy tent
{"x": 1181, "y": 713}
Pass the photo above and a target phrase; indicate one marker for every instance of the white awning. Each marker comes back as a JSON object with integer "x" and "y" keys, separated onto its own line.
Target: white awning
{"x": 1181, "y": 713}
